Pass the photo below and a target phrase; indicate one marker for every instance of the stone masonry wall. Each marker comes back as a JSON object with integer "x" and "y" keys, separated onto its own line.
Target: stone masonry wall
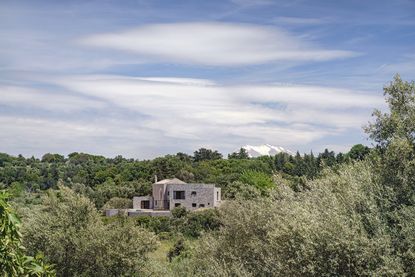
{"x": 196, "y": 195}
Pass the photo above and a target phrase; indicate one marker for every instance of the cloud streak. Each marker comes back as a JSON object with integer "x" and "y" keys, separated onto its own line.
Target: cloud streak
{"x": 147, "y": 116}
{"x": 23, "y": 97}
{"x": 200, "y": 112}
{"x": 214, "y": 44}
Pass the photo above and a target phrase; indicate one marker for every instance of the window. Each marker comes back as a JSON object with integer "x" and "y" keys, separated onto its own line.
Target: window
{"x": 177, "y": 204}
{"x": 217, "y": 195}
{"x": 208, "y": 204}
{"x": 178, "y": 194}
{"x": 201, "y": 205}
{"x": 194, "y": 205}
{"x": 193, "y": 193}
{"x": 145, "y": 204}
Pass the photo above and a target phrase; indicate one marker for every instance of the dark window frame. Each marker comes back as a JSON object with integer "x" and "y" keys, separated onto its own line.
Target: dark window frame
{"x": 179, "y": 195}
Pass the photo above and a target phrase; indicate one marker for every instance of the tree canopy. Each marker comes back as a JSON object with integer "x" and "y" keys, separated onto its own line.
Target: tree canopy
{"x": 13, "y": 260}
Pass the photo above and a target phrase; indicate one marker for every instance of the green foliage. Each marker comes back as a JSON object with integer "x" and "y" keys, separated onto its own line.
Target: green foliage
{"x": 358, "y": 152}
{"x": 190, "y": 224}
{"x": 239, "y": 190}
{"x": 204, "y": 154}
{"x": 257, "y": 179}
{"x": 177, "y": 249}
{"x": 333, "y": 229}
{"x": 104, "y": 192}
{"x": 157, "y": 225}
{"x": 194, "y": 224}
{"x": 395, "y": 134}
{"x": 400, "y": 121}
{"x": 394, "y": 161}
{"x": 357, "y": 219}
{"x": 16, "y": 189}
{"x": 168, "y": 166}
{"x": 13, "y": 261}
{"x": 179, "y": 212}
{"x": 69, "y": 230}
{"x": 101, "y": 179}
{"x": 53, "y": 158}
{"x": 241, "y": 154}
{"x": 119, "y": 203}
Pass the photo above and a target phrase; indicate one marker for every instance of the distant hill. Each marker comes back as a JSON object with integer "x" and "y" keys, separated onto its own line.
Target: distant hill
{"x": 264, "y": 150}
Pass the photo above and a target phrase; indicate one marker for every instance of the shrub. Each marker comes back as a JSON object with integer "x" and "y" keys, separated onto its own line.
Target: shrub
{"x": 118, "y": 203}
{"x": 260, "y": 180}
{"x": 335, "y": 228}
{"x": 69, "y": 230}
{"x": 13, "y": 261}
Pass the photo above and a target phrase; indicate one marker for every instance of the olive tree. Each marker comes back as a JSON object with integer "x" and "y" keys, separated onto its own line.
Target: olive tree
{"x": 13, "y": 261}
{"x": 69, "y": 230}
{"x": 332, "y": 229}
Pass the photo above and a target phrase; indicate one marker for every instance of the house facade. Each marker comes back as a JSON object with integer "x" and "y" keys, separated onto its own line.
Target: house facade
{"x": 170, "y": 193}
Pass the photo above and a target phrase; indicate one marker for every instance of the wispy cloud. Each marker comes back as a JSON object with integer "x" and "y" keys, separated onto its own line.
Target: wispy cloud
{"x": 299, "y": 20}
{"x": 406, "y": 66}
{"x": 195, "y": 112}
{"x": 145, "y": 114}
{"x": 208, "y": 43}
{"x": 250, "y": 3}
{"x": 23, "y": 97}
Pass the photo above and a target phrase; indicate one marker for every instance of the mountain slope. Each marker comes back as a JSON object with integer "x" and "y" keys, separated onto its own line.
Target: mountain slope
{"x": 264, "y": 150}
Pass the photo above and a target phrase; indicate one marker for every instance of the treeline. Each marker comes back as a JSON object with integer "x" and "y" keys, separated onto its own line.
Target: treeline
{"x": 104, "y": 178}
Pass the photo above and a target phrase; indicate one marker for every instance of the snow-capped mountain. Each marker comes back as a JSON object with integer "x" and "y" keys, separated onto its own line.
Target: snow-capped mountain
{"x": 264, "y": 150}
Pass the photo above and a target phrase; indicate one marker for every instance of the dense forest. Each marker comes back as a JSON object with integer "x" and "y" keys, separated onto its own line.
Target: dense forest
{"x": 103, "y": 178}
{"x": 326, "y": 214}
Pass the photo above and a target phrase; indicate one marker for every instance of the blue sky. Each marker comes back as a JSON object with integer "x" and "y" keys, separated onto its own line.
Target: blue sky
{"x": 148, "y": 78}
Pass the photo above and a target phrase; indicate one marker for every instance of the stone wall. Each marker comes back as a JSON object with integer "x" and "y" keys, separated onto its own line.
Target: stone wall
{"x": 196, "y": 196}
{"x": 137, "y": 201}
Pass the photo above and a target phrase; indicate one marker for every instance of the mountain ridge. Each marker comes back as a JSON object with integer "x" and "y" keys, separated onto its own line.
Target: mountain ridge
{"x": 264, "y": 150}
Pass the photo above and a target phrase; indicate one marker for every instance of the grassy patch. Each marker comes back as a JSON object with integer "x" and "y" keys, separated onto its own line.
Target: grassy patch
{"x": 160, "y": 254}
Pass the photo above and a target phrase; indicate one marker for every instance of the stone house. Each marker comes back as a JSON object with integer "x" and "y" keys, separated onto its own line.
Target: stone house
{"x": 170, "y": 193}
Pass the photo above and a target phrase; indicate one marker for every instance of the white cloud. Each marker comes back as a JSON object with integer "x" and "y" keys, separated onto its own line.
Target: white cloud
{"x": 190, "y": 110}
{"x": 299, "y": 20}
{"x": 143, "y": 117}
{"x": 36, "y": 136}
{"x": 344, "y": 148}
{"x": 23, "y": 97}
{"x": 218, "y": 44}
{"x": 405, "y": 66}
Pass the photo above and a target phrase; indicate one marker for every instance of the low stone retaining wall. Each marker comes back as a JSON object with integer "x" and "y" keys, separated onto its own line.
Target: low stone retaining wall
{"x": 133, "y": 212}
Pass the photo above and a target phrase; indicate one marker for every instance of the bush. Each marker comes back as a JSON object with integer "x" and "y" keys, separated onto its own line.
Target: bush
{"x": 69, "y": 230}
{"x": 239, "y": 190}
{"x": 179, "y": 212}
{"x": 155, "y": 224}
{"x": 335, "y": 228}
{"x": 197, "y": 222}
{"x": 118, "y": 203}
{"x": 13, "y": 261}
{"x": 260, "y": 180}
{"x": 176, "y": 250}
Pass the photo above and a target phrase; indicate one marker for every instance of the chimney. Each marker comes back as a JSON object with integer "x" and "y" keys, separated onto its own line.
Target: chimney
{"x": 155, "y": 178}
